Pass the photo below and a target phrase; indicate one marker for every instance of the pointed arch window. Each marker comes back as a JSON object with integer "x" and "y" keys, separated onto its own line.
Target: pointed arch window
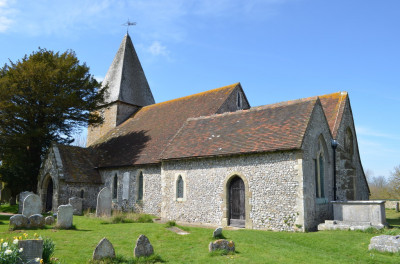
{"x": 140, "y": 187}
{"x": 115, "y": 187}
{"x": 319, "y": 175}
{"x": 179, "y": 187}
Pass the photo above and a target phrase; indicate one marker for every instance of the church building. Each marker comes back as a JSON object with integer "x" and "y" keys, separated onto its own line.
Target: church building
{"x": 210, "y": 158}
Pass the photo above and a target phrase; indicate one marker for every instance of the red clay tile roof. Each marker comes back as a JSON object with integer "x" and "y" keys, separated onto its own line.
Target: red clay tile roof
{"x": 267, "y": 128}
{"x": 142, "y": 138}
{"x": 78, "y": 164}
{"x": 333, "y": 105}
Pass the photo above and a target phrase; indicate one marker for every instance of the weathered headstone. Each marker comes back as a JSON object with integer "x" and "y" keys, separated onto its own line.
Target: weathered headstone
{"x": 103, "y": 207}
{"x": 76, "y": 203}
{"x": 143, "y": 247}
{"x": 18, "y": 221}
{"x": 32, "y": 205}
{"x": 104, "y": 250}
{"x": 217, "y": 232}
{"x": 49, "y": 220}
{"x": 33, "y": 249}
{"x": 385, "y": 243}
{"x": 36, "y": 220}
{"x": 222, "y": 244}
{"x": 65, "y": 216}
{"x": 21, "y": 199}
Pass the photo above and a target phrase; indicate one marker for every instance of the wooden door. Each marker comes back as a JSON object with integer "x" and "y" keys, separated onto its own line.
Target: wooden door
{"x": 237, "y": 210}
{"x": 49, "y": 196}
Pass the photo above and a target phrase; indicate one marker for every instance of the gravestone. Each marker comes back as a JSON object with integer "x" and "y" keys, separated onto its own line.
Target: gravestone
{"x": 385, "y": 243}
{"x": 32, "y": 205}
{"x": 217, "y": 232}
{"x": 222, "y": 244}
{"x": 49, "y": 220}
{"x": 104, "y": 250}
{"x": 65, "y": 216}
{"x": 33, "y": 249}
{"x": 76, "y": 203}
{"x": 103, "y": 207}
{"x": 21, "y": 199}
{"x": 13, "y": 201}
{"x": 18, "y": 221}
{"x": 397, "y": 207}
{"x": 143, "y": 247}
{"x": 36, "y": 220}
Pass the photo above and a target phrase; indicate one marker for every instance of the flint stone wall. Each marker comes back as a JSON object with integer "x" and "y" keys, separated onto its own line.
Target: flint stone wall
{"x": 273, "y": 186}
{"x": 151, "y": 203}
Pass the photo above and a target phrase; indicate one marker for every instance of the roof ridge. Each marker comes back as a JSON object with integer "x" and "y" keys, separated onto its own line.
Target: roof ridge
{"x": 257, "y": 108}
{"x": 228, "y": 87}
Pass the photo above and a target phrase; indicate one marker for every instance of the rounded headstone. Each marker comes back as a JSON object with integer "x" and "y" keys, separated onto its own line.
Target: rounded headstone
{"x": 36, "y": 220}
{"x": 21, "y": 198}
{"x": 143, "y": 247}
{"x": 103, "y": 250}
{"x": 217, "y": 232}
{"x": 18, "y": 221}
{"x": 103, "y": 207}
{"x": 76, "y": 203}
{"x": 32, "y": 205}
{"x": 65, "y": 216}
{"x": 221, "y": 244}
{"x": 49, "y": 220}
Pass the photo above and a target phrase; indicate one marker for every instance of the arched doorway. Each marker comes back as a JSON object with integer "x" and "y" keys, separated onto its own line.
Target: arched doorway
{"x": 237, "y": 210}
{"x": 49, "y": 196}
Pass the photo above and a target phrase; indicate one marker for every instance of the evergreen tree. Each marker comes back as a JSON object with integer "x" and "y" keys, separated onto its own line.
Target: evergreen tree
{"x": 44, "y": 97}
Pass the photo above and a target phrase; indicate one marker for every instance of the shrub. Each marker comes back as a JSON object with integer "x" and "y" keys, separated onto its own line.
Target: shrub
{"x": 48, "y": 250}
{"x": 170, "y": 224}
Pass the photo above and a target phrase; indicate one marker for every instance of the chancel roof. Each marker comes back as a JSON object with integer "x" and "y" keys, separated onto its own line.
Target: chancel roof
{"x": 261, "y": 129}
{"x": 142, "y": 138}
{"x": 79, "y": 164}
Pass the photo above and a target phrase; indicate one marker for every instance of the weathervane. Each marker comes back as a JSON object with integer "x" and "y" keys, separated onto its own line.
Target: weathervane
{"x": 128, "y": 24}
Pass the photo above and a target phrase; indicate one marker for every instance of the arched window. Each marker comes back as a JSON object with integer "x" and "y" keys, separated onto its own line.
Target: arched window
{"x": 140, "y": 187}
{"x": 115, "y": 187}
{"x": 82, "y": 193}
{"x": 239, "y": 100}
{"x": 319, "y": 175}
{"x": 179, "y": 187}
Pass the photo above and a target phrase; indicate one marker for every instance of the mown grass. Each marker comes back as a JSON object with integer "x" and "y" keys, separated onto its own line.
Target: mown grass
{"x": 252, "y": 246}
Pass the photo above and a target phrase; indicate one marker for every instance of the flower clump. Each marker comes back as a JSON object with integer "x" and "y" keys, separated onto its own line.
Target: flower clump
{"x": 10, "y": 252}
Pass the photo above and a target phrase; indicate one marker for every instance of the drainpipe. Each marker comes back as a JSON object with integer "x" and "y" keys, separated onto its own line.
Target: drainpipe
{"x": 334, "y": 145}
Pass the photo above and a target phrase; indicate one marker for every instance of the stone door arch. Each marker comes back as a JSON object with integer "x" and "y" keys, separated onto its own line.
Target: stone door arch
{"x": 237, "y": 207}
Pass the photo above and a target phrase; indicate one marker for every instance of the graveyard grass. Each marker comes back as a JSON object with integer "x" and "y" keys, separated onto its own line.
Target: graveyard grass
{"x": 252, "y": 246}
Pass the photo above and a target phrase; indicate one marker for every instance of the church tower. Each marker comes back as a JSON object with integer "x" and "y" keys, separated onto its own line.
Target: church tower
{"x": 127, "y": 91}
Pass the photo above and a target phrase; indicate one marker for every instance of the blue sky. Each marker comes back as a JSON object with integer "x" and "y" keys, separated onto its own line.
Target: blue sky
{"x": 278, "y": 49}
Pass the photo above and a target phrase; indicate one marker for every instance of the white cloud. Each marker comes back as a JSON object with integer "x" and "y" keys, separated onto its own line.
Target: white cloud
{"x": 365, "y": 131}
{"x": 157, "y": 49}
{"x": 6, "y": 14}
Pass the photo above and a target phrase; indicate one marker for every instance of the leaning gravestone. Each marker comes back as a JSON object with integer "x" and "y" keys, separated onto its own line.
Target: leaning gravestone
{"x": 103, "y": 207}
{"x": 32, "y": 205}
{"x": 33, "y": 249}
{"x": 76, "y": 203}
{"x": 65, "y": 216}
{"x": 104, "y": 250}
{"x": 143, "y": 247}
{"x": 36, "y": 220}
{"x": 217, "y": 232}
{"x": 385, "y": 243}
{"x": 221, "y": 244}
{"x": 18, "y": 221}
{"x": 22, "y": 197}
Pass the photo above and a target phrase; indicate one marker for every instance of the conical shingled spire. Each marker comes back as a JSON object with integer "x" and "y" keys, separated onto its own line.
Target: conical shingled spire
{"x": 126, "y": 79}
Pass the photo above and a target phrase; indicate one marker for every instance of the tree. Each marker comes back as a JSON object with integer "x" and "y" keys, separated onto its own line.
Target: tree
{"x": 43, "y": 98}
{"x": 395, "y": 182}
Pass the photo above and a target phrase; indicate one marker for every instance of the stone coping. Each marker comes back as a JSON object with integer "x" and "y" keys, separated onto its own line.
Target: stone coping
{"x": 359, "y": 202}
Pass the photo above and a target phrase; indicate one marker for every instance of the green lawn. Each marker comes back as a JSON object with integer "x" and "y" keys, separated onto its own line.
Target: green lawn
{"x": 76, "y": 246}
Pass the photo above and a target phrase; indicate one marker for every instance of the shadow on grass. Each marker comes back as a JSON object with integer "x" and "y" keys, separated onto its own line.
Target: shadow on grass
{"x": 5, "y": 217}
{"x": 155, "y": 258}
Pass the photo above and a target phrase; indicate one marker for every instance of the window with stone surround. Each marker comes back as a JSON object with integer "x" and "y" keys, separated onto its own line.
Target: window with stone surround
{"x": 239, "y": 100}
{"x": 319, "y": 167}
{"x": 140, "y": 187}
{"x": 179, "y": 187}
{"x": 115, "y": 187}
